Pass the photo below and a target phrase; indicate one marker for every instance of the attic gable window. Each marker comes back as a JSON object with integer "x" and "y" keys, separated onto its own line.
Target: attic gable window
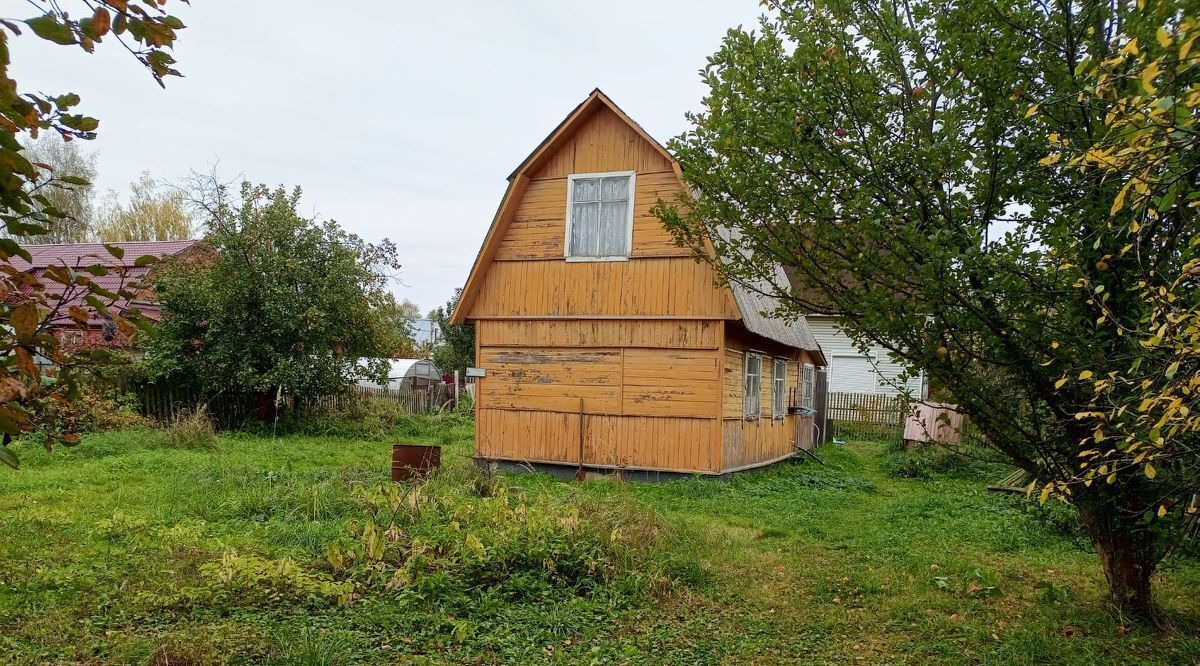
{"x": 599, "y": 216}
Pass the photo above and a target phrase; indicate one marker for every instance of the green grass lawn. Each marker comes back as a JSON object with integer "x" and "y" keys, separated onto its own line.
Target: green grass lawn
{"x": 121, "y": 551}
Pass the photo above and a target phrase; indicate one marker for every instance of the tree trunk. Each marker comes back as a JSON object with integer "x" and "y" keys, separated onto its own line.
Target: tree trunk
{"x": 1127, "y": 554}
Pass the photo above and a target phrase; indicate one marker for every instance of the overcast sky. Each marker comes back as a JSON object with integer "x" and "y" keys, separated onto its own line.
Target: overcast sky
{"x": 398, "y": 123}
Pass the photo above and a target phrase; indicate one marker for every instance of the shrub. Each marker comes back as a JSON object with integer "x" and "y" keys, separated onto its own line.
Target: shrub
{"x": 96, "y": 410}
{"x": 461, "y": 542}
{"x": 192, "y": 429}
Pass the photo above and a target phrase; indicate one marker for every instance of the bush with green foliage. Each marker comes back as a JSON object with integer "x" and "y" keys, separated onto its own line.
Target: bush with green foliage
{"x": 466, "y": 539}
{"x": 375, "y": 417}
{"x": 291, "y": 306}
{"x": 96, "y": 409}
{"x": 456, "y": 350}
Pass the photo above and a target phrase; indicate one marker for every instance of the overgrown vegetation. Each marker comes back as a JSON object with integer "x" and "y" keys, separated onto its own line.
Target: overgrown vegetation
{"x": 191, "y": 429}
{"x": 295, "y": 550}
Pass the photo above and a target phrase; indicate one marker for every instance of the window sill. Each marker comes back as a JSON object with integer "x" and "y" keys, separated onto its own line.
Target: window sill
{"x": 591, "y": 259}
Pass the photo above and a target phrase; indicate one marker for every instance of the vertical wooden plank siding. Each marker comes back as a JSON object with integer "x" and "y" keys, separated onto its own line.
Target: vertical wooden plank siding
{"x": 752, "y": 441}
{"x": 582, "y": 289}
{"x": 583, "y": 333}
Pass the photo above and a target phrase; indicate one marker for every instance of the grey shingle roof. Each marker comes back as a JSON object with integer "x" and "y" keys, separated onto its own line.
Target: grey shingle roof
{"x": 757, "y": 307}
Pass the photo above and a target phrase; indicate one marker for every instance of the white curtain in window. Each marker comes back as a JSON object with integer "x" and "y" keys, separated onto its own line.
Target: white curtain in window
{"x": 779, "y": 384}
{"x": 753, "y": 386}
{"x": 600, "y": 217}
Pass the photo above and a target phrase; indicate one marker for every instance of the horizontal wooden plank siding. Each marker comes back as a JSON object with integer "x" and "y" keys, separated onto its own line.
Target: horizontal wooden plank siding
{"x": 668, "y": 334}
{"x": 633, "y": 442}
{"x": 670, "y": 382}
{"x": 747, "y": 442}
{"x": 630, "y": 381}
{"x": 550, "y": 379}
{"x": 663, "y": 287}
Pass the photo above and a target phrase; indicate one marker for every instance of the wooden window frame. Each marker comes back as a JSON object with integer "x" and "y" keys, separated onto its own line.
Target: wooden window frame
{"x": 571, "y": 178}
{"x": 747, "y": 394}
{"x": 778, "y": 393}
{"x": 808, "y": 385}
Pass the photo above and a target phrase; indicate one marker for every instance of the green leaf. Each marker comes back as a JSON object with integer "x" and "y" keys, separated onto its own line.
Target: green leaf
{"x": 24, "y": 321}
{"x": 47, "y": 27}
{"x": 80, "y": 123}
{"x": 1172, "y": 369}
{"x": 64, "y": 102}
{"x": 9, "y": 458}
{"x": 115, "y": 250}
{"x": 11, "y": 248}
{"x": 145, "y": 260}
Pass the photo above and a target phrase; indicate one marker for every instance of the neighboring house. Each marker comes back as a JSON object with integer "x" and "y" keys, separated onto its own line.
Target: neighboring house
{"x": 425, "y": 333}
{"x": 850, "y": 371}
{"x": 121, "y": 274}
{"x": 604, "y": 344}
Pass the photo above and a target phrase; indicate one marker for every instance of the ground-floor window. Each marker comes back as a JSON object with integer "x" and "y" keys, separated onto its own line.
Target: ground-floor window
{"x": 752, "y": 398}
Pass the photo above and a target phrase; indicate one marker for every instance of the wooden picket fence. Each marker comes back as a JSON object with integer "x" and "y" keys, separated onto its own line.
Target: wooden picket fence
{"x": 411, "y": 400}
{"x": 866, "y": 409}
{"x": 164, "y": 403}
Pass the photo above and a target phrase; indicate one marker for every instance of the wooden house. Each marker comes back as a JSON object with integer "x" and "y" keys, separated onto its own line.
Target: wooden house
{"x": 605, "y": 345}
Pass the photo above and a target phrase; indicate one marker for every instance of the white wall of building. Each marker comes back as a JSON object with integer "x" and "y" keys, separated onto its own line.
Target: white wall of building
{"x": 852, "y": 372}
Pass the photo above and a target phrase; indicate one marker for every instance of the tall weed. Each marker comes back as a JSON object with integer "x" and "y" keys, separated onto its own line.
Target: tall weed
{"x": 192, "y": 429}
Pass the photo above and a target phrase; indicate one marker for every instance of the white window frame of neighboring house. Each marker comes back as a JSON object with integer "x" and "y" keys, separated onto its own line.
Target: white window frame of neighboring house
{"x": 778, "y": 388}
{"x": 808, "y": 386}
{"x": 632, "y": 175}
{"x": 751, "y": 397}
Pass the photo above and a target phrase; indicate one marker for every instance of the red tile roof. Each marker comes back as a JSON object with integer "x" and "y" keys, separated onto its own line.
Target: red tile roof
{"x": 90, "y": 254}
{"x": 122, "y": 274}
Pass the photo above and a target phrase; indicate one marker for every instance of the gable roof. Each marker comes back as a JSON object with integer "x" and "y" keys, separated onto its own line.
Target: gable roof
{"x": 752, "y": 304}
{"x": 595, "y": 100}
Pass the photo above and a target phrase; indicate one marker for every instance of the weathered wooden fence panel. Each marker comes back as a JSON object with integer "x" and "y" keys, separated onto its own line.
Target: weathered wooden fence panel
{"x": 229, "y": 410}
{"x": 866, "y": 409}
{"x": 412, "y": 401}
